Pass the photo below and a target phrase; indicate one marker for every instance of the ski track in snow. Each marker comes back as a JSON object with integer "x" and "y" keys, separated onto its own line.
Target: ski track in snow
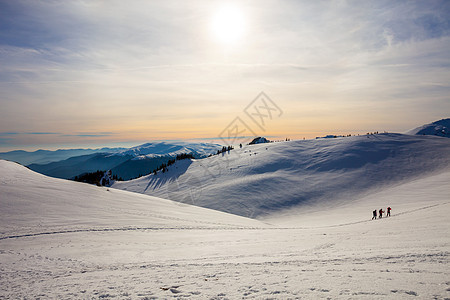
{"x": 343, "y": 261}
{"x": 318, "y": 272}
{"x": 67, "y": 240}
{"x": 205, "y": 228}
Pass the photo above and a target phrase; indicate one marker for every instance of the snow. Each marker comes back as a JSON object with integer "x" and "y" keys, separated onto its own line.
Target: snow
{"x": 148, "y": 150}
{"x": 439, "y": 128}
{"x": 32, "y": 203}
{"x": 68, "y": 240}
{"x": 157, "y": 149}
{"x": 261, "y": 180}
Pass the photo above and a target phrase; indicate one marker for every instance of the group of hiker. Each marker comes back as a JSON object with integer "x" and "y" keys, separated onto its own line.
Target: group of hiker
{"x": 381, "y": 212}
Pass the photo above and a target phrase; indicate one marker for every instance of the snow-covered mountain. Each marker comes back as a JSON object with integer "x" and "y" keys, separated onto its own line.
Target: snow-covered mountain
{"x": 126, "y": 163}
{"x": 263, "y": 179}
{"x": 312, "y": 200}
{"x": 259, "y": 140}
{"x": 66, "y": 240}
{"x": 439, "y": 128}
{"x": 156, "y": 149}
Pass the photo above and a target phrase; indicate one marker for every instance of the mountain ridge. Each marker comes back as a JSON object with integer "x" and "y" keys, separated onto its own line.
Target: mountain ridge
{"x": 259, "y": 179}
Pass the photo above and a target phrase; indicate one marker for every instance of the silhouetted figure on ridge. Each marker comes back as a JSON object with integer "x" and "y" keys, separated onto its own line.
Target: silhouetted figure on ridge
{"x": 380, "y": 213}
{"x": 374, "y": 213}
{"x": 388, "y": 214}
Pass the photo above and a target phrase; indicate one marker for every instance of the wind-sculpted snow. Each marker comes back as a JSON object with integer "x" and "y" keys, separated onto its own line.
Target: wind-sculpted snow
{"x": 67, "y": 240}
{"x": 260, "y": 180}
{"x": 33, "y": 203}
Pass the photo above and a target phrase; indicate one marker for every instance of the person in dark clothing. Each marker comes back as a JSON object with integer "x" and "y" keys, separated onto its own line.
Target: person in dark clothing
{"x": 380, "y": 213}
{"x": 374, "y": 215}
{"x": 388, "y": 214}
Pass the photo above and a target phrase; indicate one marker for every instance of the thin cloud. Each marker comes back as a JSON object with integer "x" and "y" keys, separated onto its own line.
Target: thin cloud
{"x": 30, "y": 133}
{"x": 152, "y": 67}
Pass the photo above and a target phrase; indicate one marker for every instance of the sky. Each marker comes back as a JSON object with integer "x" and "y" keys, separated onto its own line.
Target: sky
{"x": 105, "y": 73}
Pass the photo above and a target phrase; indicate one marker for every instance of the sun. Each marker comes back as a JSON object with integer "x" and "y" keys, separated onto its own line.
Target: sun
{"x": 228, "y": 24}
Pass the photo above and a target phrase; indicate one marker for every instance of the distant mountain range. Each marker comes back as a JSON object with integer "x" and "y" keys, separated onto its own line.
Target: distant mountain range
{"x": 78, "y": 165}
{"x": 127, "y": 163}
{"x": 47, "y": 156}
{"x": 150, "y": 150}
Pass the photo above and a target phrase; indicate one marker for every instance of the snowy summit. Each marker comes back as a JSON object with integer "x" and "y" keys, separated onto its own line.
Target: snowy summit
{"x": 281, "y": 220}
{"x": 439, "y": 128}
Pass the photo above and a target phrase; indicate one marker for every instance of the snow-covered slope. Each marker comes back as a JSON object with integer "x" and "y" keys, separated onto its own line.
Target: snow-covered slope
{"x": 31, "y": 203}
{"x": 259, "y": 180}
{"x": 67, "y": 240}
{"x": 439, "y": 128}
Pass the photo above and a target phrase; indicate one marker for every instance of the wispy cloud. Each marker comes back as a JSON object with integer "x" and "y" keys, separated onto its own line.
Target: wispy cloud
{"x": 100, "y": 134}
{"x": 31, "y": 133}
{"x": 89, "y": 69}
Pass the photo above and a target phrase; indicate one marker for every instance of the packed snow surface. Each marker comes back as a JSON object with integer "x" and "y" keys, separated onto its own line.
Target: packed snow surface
{"x": 67, "y": 240}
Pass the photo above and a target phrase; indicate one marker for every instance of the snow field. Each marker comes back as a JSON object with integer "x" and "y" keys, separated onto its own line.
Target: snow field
{"x": 312, "y": 236}
{"x": 259, "y": 181}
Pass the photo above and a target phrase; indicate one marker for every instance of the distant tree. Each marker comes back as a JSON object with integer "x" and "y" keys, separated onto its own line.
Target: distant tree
{"x": 92, "y": 178}
{"x": 185, "y": 156}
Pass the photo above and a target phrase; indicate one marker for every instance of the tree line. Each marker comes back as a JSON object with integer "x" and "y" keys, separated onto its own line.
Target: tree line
{"x": 95, "y": 178}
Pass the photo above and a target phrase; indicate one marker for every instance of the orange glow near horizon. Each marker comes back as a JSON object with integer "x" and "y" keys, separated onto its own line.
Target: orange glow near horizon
{"x": 155, "y": 71}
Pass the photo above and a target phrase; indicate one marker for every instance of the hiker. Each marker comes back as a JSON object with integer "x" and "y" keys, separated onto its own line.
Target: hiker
{"x": 380, "y": 213}
{"x": 374, "y": 215}
{"x": 388, "y": 214}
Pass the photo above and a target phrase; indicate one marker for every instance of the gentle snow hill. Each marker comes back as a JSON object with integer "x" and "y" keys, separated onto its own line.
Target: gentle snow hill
{"x": 68, "y": 240}
{"x": 262, "y": 180}
{"x": 31, "y": 203}
{"x": 414, "y": 196}
{"x": 439, "y": 128}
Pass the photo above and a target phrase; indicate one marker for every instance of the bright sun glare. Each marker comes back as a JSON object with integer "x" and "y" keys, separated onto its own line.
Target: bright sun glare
{"x": 228, "y": 24}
